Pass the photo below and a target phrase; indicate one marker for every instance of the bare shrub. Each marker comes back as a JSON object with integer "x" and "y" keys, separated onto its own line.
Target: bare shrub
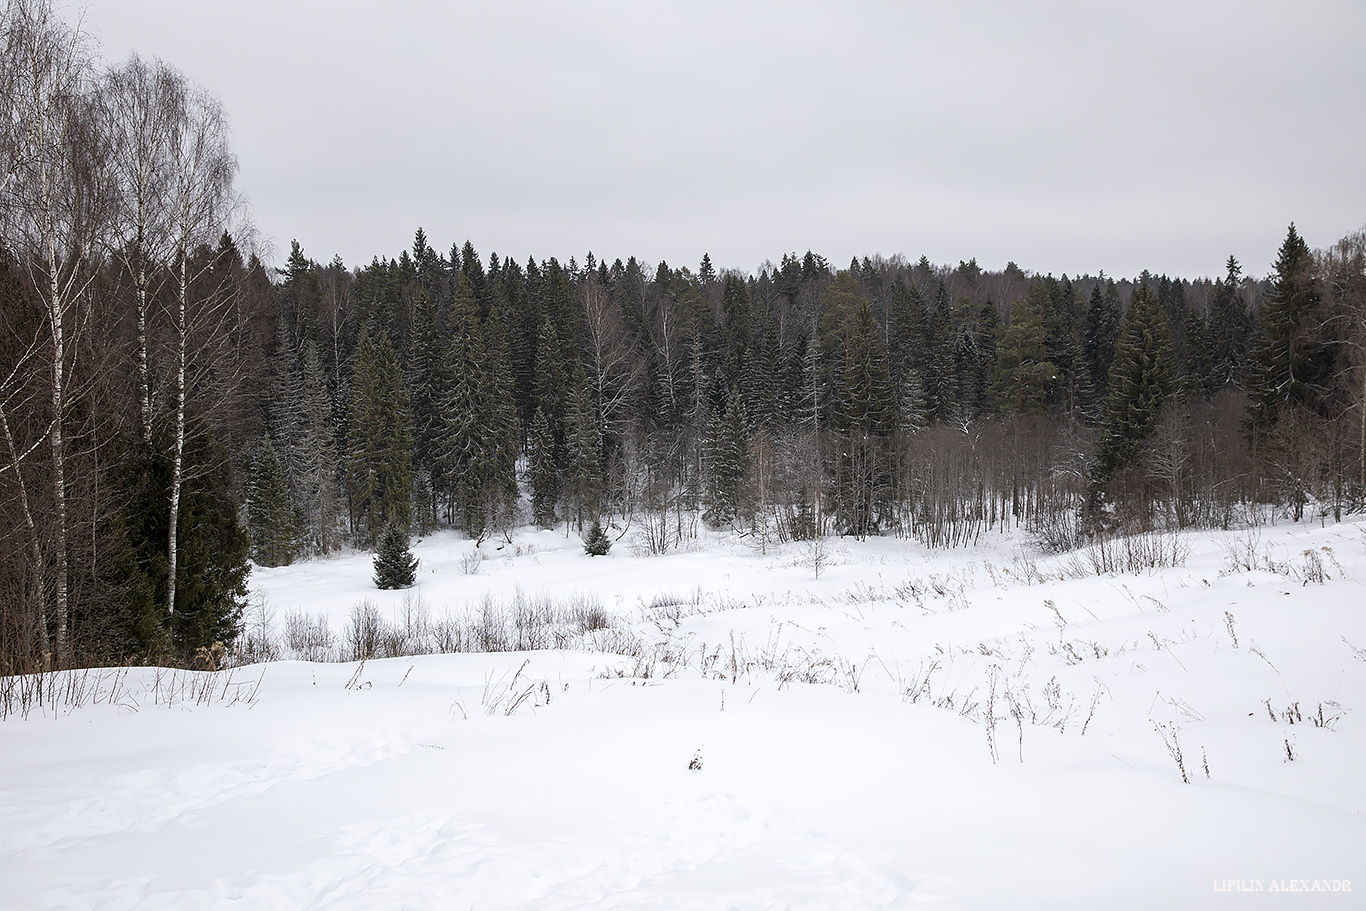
{"x": 654, "y": 537}
{"x": 1244, "y": 553}
{"x": 415, "y": 626}
{"x": 364, "y": 632}
{"x": 257, "y": 645}
{"x": 308, "y": 637}
{"x": 1129, "y": 554}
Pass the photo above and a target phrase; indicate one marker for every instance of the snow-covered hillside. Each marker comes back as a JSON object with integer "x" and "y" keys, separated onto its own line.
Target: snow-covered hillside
{"x": 984, "y": 728}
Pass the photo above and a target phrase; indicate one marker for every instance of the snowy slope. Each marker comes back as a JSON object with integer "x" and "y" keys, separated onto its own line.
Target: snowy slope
{"x": 983, "y": 728}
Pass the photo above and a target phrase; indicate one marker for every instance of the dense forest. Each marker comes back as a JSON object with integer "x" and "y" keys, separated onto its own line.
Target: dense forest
{"x": 172, "y": 408}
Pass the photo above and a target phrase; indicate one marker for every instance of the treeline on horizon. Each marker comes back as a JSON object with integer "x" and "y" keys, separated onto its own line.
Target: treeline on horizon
{"x": 171, "y": 408}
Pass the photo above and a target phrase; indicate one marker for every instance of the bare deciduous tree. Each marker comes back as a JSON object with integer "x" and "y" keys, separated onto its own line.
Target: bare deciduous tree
{"x": 201, "y": 203}
{"x": 143, "y": 104}
{"x": 53, "y": 216}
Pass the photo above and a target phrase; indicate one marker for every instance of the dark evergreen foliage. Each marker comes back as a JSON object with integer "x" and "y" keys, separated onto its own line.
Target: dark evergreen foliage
{"x": 1295, "y": 360}
{"x": 395, "y": 565}
{"x": 270, "y": 518}
{"x": 542, "y": 475}
{"x": 1141, "y": 383}
{"x": 596, "y": 543}
{"x": 379, "y": 460}
{"x": 889, "y": 397}
{"x": 725, "y": 452}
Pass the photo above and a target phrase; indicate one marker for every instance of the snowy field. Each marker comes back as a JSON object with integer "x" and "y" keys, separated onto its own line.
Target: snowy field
{"x": 977, "y": 728}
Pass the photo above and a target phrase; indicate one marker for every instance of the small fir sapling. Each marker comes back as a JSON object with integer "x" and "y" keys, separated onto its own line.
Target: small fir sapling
{"x": 596, "y": 543}
{"x": 395, "y": 565}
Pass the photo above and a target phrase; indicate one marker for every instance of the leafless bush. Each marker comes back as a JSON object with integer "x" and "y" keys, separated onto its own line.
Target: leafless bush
{"x": 1129, "y": 554}
{"x": 655, "y": 537}
{"x": 525, "y": 623}
{"x": 364, "y": 632}
{"x": 256, "y": 645}
{"x": 308, "y": 637}
{"x": 1244, "y": 553}
{"x": 1058, "y": 531}
{"x": 818, "y": 554}
{"x": 414, "y": 626}
{"x": 471, "y": 562}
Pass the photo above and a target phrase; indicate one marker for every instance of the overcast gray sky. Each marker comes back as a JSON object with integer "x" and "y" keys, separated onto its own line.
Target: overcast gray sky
{"x": 1066, "y": 136}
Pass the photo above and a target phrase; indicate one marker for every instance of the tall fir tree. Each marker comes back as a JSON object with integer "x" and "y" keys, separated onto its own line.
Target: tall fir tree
{"x": 428, "y": 384}
{"x": 542, "y": 475}
{"x": 379, "y": 454}
{"x": 270, "y": 518}
{"x": 1026, "y": 376}
{"x": 1141, "y": 383}
{"x": 1099, "y": 333}
{"x": 315, "y": 456}
{"x": 865, "y": 417}
{"x": 1229, "y": 329}
{"x": 582, "y": 475}
{"x": 1295, "y": 361}
{"x": 724, "y": 456}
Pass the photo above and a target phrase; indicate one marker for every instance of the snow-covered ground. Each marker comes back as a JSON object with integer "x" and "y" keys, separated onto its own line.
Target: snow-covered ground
{"x": 983, "y": 728}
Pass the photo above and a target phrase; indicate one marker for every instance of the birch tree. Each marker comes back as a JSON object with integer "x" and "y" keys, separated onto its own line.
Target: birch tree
{"x": 201, "y": 203}
{"x": 144, "y": 106}
{"x": 52, "y": 218}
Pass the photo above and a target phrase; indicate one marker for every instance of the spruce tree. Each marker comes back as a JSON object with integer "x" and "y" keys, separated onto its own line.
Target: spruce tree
{"x": 428, "y": 383}
{"x": 1294, "y": 362}
{"x": 1141, "y": 383}
{"x": 1099, "y": 332}
{"x": 498, "y": 463}
{"x": 379, "y": 461}
{"x": 270, "y": 519}
{"x": 724, "y": 456}
{"x": 865, "y": 416}
{"x": 938, "y": 356}
{"x": 1229, "y": 329}
{"x": 1025, "y": 374}
{"x": 705, "y": 271}
{"x": 211, "y": 583}
{"x": 541, "y": 473}
{"x": 735, "y": 326}
{"x": 582, "y": 476}
{"x": 316, "y": 456}
{"x": 596, "y": 543}
{"x": 459, "y": 441}
{"x": 395, "y": 565}
{"x": 554, "y": 391}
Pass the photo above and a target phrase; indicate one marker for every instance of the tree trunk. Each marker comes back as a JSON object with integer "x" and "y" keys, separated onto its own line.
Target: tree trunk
{"x": 55, "y": 316}
{"x": 178, "y": 452}
{"x": 144, "y": 371}
{"x": 39, "y": 592}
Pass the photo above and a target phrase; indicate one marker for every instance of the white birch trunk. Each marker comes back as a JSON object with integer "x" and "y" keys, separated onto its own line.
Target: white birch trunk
{"x": 178, "y": 452}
